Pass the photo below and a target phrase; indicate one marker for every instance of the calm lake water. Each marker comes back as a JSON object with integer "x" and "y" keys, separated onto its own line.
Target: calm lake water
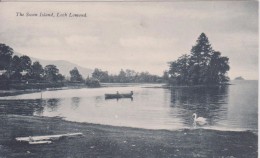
{"x": 233, "y": 107}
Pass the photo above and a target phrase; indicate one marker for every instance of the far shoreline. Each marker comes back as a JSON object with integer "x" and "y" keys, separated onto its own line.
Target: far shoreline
{"x": 13, "y": 92}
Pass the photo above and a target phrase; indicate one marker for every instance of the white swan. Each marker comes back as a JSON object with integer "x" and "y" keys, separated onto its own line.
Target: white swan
{"x": 199, "y": 120}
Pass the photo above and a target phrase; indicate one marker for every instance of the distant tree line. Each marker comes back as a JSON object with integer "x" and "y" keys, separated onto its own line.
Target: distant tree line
{"x": 21, "y": 72}
{"x": 202, "y": 66}
{"x": 18, "y": 69}
{"x": 127, "y": 76}
{"x": 15, "y": 70}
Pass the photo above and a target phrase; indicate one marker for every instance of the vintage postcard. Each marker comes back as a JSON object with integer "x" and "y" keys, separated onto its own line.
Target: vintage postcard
{"x": 148, "y": 79}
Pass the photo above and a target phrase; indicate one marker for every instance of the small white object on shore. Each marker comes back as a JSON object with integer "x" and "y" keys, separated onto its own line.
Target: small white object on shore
{"x": 40, "y": 142}
{"x": 45, "y": 139}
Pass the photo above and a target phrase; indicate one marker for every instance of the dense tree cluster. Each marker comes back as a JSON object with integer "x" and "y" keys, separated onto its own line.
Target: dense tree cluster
{"x": 127, "y": 76}
{"x": 18, "y": 69}
{"x": 15, "y": 69}
{"x": 203, "y": 66}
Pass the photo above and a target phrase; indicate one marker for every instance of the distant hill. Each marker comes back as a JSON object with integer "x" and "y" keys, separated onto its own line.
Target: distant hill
{"x": 63, "y": 66}
{"x": 239, "y": 78}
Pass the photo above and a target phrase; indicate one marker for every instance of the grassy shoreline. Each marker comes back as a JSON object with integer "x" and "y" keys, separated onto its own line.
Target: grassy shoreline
{"x": 110, "y": 141}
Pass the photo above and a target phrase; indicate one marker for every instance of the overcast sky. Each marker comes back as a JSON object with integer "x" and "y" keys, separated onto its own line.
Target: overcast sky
{"x": 143, "y": 36}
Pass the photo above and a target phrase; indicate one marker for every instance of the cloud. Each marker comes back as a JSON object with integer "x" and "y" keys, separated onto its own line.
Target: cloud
{"x": 45, "y": 41}
{"x": 147, "y": 42}
{"x": 135, "y": 35}
{"x": 80, "y": 40}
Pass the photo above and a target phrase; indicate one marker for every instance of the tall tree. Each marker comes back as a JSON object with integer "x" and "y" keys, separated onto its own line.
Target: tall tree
{"x": 218, "y": 68}
{"x": 26, "y": 64}
{"x": 122, "y": 76}
{"x": 6, "y": 53}
{"x": 200, "y": 57}
{"x": 51, "y": 73}
{"x": 75, "y": 76}
{"x": 130, "y": 75}
{"x": 37, "y": 70}
{"x": 202, "y": 66}
{"x": 15, "y": 68}
{"x": 180, "y": 69}
{"x": 100, "y": 75}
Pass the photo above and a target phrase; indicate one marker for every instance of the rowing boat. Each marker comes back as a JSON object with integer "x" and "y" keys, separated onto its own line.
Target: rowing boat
{"x": 119, "y": 95}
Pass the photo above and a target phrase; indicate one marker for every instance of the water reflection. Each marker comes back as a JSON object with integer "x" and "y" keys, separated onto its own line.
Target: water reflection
{"x": 52, "y": 104}
{"x": 208, "y": 102}
{"x": 40, "y": 109}
{"x": 20, "y": 107}
{"x": 131, "y": 98}
{"x": 75, "y": 102}
{"x": 28, "y": 107}
{"x": 224, "y": 107}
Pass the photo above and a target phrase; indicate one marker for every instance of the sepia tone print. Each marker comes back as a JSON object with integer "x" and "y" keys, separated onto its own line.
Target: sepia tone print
{"x": 129, "y": 79}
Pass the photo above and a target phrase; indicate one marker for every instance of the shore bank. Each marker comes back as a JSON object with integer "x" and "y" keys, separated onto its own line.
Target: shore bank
{"x": 109, "y": 141}
{"x": 14, "y": 92}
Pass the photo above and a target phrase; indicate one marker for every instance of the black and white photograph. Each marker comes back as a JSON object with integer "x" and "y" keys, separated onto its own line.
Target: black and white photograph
{"x": 129, "y": 78}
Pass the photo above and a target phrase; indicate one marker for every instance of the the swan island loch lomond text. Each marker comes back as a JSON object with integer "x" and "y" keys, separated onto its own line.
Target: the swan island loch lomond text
{"x": 52, "y": 14}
